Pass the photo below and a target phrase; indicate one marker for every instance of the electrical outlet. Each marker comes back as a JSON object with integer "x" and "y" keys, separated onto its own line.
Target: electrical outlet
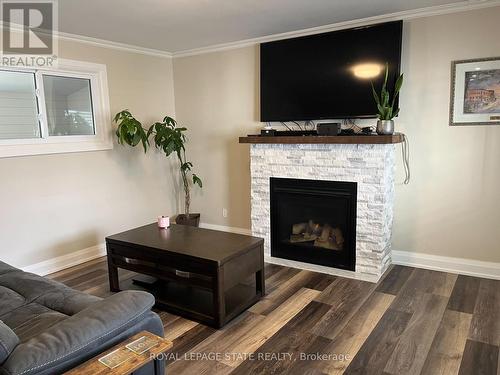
{"x": 224, "y": 212}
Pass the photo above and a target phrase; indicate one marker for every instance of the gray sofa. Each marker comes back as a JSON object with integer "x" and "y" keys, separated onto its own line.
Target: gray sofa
{"x": 48, "y": 328}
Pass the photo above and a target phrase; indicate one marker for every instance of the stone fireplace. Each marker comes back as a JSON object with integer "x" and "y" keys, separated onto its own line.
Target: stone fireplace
{"x": 367, "y": 167}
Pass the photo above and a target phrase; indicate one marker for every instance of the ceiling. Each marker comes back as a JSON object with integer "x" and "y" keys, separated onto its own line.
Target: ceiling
{"x": 179, "y": 25}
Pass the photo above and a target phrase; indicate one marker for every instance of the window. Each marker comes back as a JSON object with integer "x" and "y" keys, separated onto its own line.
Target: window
{"x": 68, "y": 104}
{"x": 18, "y": 106}
{"x": 59, "y": 110}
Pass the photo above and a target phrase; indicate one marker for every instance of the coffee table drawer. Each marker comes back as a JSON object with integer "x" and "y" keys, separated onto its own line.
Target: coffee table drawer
{"x": 156, "y": 259}
{"x": 132, "y": 253}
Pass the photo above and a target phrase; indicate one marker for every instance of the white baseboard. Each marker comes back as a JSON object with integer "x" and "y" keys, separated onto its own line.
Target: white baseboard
{"x": 65, "y": 261}
{"x": 490, "y": 270}
{"x": 223, "y": 228}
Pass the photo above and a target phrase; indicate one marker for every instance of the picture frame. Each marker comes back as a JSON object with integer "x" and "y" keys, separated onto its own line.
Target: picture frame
{"x": 475, "y": 92}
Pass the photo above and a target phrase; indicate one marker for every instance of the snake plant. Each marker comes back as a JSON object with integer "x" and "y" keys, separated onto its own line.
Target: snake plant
{"x": 386, "y": 107}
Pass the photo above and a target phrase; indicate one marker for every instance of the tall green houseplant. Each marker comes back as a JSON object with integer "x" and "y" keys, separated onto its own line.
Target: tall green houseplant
{"x": 167, "y": 137}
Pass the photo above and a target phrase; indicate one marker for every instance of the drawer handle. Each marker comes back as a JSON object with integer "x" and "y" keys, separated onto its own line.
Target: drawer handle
{"x": 137, "y": 261}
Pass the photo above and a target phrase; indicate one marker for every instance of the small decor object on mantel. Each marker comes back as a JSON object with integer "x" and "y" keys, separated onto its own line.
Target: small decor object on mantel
{"x": 387, "y": 108}
{"x": 475, "y": 92}
{"x": 169, "y": 138}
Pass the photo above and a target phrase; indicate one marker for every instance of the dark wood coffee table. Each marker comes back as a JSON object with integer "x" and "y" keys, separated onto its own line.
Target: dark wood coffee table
{"x": 202, "y": 274}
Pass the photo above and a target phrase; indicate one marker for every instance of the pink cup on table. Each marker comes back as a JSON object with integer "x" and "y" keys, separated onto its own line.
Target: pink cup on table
{"x": 163, "y": 222}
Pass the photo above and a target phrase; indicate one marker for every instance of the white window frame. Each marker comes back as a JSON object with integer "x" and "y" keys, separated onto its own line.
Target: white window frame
{"x": 101, "y": 140}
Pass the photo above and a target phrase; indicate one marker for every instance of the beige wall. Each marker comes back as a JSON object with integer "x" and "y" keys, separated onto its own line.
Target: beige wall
{"x": 52, "y": 205}
{"x": 216, "y": 98}
{"x": 451, "y": 207}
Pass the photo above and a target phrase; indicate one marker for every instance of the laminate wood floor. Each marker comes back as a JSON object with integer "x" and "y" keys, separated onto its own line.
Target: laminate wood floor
{"x": 413, "y": 321}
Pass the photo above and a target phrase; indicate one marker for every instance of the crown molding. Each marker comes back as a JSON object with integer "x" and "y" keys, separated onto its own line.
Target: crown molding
{"x": 101, "y": 43}
{"x": 113, "y": 45}
{"x": 404, "y": 15}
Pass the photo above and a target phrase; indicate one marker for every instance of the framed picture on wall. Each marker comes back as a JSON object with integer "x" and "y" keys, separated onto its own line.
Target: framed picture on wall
{"x": 475, "y": 92}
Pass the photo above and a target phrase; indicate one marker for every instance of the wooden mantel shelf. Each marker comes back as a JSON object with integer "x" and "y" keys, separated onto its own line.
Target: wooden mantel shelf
{"x": 322, "y": 139}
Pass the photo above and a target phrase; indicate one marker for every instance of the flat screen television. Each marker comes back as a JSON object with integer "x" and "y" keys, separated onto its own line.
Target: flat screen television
{"x": 327, "y": 76}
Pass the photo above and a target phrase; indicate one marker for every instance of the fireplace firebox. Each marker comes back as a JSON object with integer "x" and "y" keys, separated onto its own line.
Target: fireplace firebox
{"x": 314, "y": 221}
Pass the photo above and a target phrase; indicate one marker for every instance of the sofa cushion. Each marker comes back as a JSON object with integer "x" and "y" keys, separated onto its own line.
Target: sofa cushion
{"x": 31, "y": 286}
{"x": 30, "y": 304}
{"x": 75, "y": 336}
{"x": 66, "y": 300}
{"x": 8, "y": 341}
{"x": 32, "y": 319}
{"x": 10, "y": 300}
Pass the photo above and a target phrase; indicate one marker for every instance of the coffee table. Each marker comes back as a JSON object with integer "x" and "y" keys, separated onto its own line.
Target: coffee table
{"x": 205, "y": 275}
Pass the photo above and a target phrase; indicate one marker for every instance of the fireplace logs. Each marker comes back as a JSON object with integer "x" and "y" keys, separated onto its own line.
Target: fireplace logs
{"x": 319, "y": 235}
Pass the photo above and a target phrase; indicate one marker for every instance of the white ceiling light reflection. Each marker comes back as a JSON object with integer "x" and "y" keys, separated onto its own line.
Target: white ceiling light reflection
{"x": 367, "y": 70}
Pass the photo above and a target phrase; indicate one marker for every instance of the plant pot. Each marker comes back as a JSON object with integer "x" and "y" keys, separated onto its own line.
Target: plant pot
{"x": 193, "y": 219}
{"x": 385, "y": 127}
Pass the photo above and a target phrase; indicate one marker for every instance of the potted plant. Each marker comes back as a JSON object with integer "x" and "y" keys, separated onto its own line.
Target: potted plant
{"x": 386, "y": 107}
{"x": 170, "y": 139}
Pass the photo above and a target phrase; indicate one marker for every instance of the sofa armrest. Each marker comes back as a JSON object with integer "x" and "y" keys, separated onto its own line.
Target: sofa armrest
{"x": 79, "y": 334}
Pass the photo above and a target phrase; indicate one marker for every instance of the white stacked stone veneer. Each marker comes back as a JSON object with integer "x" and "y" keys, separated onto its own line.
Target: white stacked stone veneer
{"x": 371, "y": 166}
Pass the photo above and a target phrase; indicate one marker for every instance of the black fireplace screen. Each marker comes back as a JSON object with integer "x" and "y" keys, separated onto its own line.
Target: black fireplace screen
{"x": 314, "y": 221}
